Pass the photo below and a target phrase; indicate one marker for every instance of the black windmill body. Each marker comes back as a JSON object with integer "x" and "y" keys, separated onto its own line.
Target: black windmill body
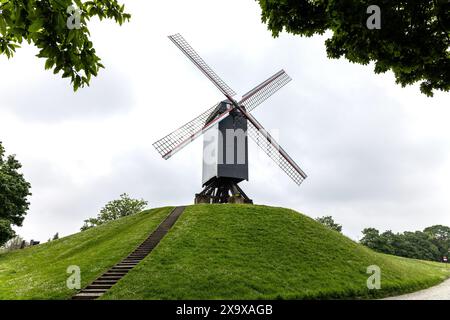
{"x": 225, "y": 128}
{"x": 225, "y": 155}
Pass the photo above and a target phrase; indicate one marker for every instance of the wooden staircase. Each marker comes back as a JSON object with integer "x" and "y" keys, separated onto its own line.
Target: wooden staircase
{"x": 117, "y": 272}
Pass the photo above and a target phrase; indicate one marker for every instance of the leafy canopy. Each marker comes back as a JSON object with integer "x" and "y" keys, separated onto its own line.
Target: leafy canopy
{"x": 45, "y": 23}
{"x": 413, "y": 40}
{"x": 431, "y": 244}
{"x": 116, "y": 209}
{"x": 14, "y": 190}
{"x": 328, "y": 221}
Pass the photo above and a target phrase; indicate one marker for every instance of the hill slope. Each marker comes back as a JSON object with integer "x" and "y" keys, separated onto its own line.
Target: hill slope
{"x": 216, "y": 251}
{"x": 41, "y": 272}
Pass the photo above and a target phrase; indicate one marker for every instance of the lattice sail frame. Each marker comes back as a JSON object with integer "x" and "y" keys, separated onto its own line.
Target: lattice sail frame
{"x": 265, "y": 90}
{"x": 187, "y": 133}
{"x": 182, "y": 44}
{"x": 272, "y": 149}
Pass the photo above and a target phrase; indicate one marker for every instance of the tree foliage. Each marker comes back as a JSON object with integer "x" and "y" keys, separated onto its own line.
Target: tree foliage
{"x": 116, "y": 209}
{"x": 15, "y": 243}
{"x": 6, "y": 232}
{"x": 44, "y": 23}
{"x": 413, "y": 40}
{"x": 431, "y": 244}
{"x": 14, "y": 191}
{"x": 440, "y": 236}
{"x": 328, "y": 221}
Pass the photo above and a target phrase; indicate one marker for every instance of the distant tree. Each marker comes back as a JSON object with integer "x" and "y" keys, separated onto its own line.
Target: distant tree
{"x": 90, "y": 223}
{"x": 55, "y": 237}
{"x": 412, "y": 40}
{"x": 14, "y": 191}
{"x": 116, "y": 209}
{"x": 417, "y": 245}
{"x": 440, "y": 236}
{"x": 372, "y": 239}
{"x": 58, "y": 28}
{"x": 388, "y": 241}
{"x": 328, "y": 221}
{"x": 6, "y": 232}
{"x": 14, "y": 243}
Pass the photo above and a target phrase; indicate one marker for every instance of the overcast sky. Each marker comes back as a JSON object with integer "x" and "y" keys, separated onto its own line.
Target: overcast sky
{"x": 376, "y": 154}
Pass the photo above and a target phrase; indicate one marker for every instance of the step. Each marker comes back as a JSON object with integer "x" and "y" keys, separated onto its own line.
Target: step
{"x": 117, "y": 278}
{"x": 114, "y": 274}
{"x": 99, "y": 286}
{"x": 127, "y": 260}
{"x": 87, "y": 296}
{"x": 93, "y": 290}
{"x": 103, "y": 282}
{"x": 117, "y": 271}
{"x": 106, "y": 276}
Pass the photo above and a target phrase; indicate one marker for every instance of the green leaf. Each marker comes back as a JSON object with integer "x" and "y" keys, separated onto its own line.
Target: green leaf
{"x": 2, "y": 25}
{"x": 36, "y": 25}
{"x": 49, "y": 64}
{"x": 71, "y": 35}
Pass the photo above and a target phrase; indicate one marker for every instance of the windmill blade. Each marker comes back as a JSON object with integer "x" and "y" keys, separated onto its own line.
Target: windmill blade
{"x": 265, "y": 141}
{"x": 262, "y": 92}
{"x": 182, "y": 44}
{"x": 177, "y": 140}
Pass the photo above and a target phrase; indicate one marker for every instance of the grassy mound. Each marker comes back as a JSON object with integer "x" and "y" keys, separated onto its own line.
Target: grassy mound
{"x": 217, "y": 252}
{"x": 41, "y": 272}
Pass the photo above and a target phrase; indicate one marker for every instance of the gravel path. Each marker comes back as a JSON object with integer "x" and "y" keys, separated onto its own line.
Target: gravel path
{"x": 439, "y": 292}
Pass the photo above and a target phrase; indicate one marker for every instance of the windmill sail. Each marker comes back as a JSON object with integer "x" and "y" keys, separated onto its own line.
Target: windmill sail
{"x": 266, "y": 142}
{"x": 265, "y": 90}
{"x": 178, "y": 139}
{"x": 182, "y": 44}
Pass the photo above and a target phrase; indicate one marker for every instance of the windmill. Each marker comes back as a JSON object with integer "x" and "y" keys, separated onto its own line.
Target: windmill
{"x": 225, "y": 155}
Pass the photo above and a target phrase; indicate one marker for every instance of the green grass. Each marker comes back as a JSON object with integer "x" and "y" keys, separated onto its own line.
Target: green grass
{"x": 258, "y": 252}
{"x": 216, "y": 252}
{"x": 40, "y": 272}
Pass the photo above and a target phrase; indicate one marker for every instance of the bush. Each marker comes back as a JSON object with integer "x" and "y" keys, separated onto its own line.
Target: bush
{"x": 116, "y": 209}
